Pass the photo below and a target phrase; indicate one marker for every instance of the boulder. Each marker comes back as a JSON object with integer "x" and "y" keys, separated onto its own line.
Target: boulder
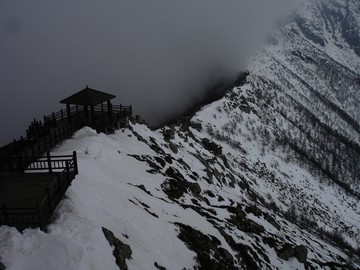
{"x": 169, "y": 134}
{"x": 301, "y": 253}
{"x": 288, "y": 251}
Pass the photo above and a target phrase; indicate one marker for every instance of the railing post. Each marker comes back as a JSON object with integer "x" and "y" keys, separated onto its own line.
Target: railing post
{"x": 20, "y": 163}
{"x": 54, "y": 118}
{"x": 5, "y": 213}
{"x": 55, "y": 137}
{"x": 68, "y": 172}
{"x": 10, "y": 164}
{"x": 49, "y": 201}
{"x": 49, "y": 134}
{"x": 38, "y": 212}
{"x": 62, "y": 114}
{"x": 22, "y": 142}
{"x": 59, "y": 184}
{"x": 49, "y": 161}
{"x": 32, "y": 152}
{"x": 75, "y": 163}
{"x": 39, "y": 146}
{"x": 26, "y": 157}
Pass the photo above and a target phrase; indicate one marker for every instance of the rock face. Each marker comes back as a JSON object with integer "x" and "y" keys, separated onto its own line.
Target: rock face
{"x": 121, "y": 252}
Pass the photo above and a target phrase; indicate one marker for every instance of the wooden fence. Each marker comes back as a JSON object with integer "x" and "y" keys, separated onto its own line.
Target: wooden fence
{"x": 65, "y": 169}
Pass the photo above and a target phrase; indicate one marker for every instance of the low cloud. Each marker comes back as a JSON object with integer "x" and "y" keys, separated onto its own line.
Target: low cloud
{"x": 157, "y": 55}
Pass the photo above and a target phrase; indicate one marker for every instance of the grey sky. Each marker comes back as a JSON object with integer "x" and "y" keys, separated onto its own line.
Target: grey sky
{"x": 154, "y": 54}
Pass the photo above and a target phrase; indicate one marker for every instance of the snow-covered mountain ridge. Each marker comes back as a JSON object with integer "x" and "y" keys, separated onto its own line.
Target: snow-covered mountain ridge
{"x": 267, "y": 177}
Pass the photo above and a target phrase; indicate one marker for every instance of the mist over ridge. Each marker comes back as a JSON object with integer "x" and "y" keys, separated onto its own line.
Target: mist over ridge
{"x": 159, "y": 56}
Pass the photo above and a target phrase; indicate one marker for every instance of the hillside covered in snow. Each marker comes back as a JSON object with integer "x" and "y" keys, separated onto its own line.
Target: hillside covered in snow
{"x": 267, "y": 177}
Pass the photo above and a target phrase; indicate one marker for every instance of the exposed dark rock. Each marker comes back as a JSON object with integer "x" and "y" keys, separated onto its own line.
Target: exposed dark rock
{"x": 301, "y": 253}
{"x": 148, "y": 160}
{"x": 244, "y": 105}
{"x": 151, "y": 213}
{"x": 270, "y": 241}
{"x": 272, "y": 221}
{"x": 174, "y": 173}
{"x": 212, "y": 147}
{"x": 142, "y": 187}
{"x": 137, "y": 135}
{"x": 245, "y": 259}
{"x": 182, "y": 162}
{"x": 169, "y": 134}
{"x": 246, "y": 225}
{"x": 209, "y": 193}
{"x": 254, "y": 210}
{"x": 288, "y": 251}
{"x": 194, "y": 187}
{"x": 160, "y": 161}
{"x": 168, "y": 159}
{"x": 173, "y": 148}
{"x": 2, "y": 266}
{"x": 196, "y": 126}
{"x": 205, "y": 212}
{"x": 210, "y": 255}
{"x": 175, "y": 188}
{"x": 121, "y": 251}
{"x": 159, "y": 266}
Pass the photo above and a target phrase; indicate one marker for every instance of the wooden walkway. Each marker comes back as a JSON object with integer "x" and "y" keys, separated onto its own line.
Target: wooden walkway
{"x": 19, "y": 190}
{"x": 29, "y": 198}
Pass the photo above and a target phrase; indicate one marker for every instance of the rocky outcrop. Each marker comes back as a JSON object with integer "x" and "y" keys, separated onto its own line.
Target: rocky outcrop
{"x": 121, "y": 251}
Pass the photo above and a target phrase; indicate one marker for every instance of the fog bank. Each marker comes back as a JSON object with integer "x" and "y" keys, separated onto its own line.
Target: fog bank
{"x": 157, "y": 55}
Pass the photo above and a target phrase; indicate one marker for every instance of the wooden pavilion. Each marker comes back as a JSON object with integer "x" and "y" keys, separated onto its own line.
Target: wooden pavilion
{"x": 88, "y": 97}
{"x": 31, "y": 184}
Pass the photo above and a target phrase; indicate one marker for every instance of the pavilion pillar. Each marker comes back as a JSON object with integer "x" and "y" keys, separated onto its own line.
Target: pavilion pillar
{"x": 68, "y": 111}
{"x": 86, "y": 110}
{"x": 109, "y": 108}
{"x": 92, "y": 114}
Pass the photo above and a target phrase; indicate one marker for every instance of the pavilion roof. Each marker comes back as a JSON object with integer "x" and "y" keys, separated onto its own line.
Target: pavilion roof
{"x": 88, "y": 97}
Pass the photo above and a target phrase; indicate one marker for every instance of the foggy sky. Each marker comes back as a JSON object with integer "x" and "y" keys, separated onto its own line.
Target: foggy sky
{"x": 158, "y": 55}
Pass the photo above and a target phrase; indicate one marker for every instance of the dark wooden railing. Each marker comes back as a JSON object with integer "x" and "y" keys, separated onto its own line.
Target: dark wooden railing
{"x": 65, "y": 169}
{"x": 62, "y": 114}
{"x": 20, "y": 153}
{"x": 57, "y": 127}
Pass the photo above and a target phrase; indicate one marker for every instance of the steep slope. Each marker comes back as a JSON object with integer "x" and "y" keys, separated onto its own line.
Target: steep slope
{"x": 310, "y": 76}
{"x": 267, "y": 177}
{"x": 180, "y": 201}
